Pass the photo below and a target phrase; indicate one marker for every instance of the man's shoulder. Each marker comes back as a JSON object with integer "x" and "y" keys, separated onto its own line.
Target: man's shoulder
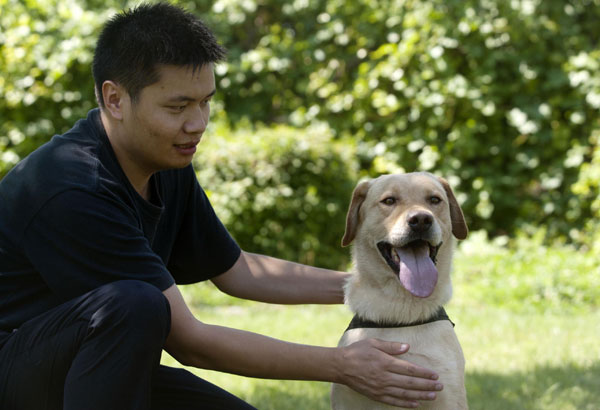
{"x": 69, "y": 158}
{"x": 67, "y": 161}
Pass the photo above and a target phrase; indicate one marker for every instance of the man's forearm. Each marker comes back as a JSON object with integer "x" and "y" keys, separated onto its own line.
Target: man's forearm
{"x": 253, "y": 355}
{"x": 272, "y": 280}
{"x": 201, "y": 345}
{"x": 368, "y": 366}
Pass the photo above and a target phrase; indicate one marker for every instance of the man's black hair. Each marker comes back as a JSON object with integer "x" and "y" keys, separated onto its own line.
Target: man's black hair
{"x": 134, "y": 43}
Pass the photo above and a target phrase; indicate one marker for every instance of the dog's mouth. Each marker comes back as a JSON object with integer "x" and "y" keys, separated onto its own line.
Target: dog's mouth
{"x": 414, "y": 263}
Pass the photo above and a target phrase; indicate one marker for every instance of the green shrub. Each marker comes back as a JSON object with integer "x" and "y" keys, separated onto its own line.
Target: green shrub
{"x": 281, "y": 191}
{"x": 46, "y": 84}
{"x": 502, "y": 97}
{"x": 587, "y": 188}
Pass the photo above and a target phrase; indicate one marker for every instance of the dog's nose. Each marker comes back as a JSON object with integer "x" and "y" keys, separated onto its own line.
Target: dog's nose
{"x": 420, "y": 221}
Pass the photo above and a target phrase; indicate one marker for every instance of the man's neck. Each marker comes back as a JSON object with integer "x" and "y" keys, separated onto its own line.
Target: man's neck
{"x": 139, "y": 180}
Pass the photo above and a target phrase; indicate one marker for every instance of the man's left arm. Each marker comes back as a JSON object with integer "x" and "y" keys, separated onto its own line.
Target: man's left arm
{"x": 267, "y": 279}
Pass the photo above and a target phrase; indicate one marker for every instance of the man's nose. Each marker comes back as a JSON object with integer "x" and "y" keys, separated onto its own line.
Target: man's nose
{"x": 196, "y": 122}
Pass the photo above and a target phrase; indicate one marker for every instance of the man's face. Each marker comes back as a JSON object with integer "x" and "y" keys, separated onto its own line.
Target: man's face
{"x": 167, "y": 121}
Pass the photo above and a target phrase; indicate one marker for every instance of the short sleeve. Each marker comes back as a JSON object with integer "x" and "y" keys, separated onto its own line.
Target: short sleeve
{"x": 203, "y": 247}
{"x": 80, "y": 240}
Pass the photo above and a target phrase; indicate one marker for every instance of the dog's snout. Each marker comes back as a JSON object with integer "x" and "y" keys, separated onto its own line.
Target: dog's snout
{"x": 420, "y": 221}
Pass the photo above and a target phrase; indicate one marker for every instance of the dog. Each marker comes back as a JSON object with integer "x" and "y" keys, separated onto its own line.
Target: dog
{"x": 404, "y": 228}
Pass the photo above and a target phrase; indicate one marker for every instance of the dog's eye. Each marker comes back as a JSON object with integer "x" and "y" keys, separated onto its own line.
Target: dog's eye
{"x": 390, "y": 200}
{"x": 434, "y": 200}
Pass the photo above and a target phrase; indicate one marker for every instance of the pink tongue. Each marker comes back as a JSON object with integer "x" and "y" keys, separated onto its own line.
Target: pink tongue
{"x": 418, "y": 274}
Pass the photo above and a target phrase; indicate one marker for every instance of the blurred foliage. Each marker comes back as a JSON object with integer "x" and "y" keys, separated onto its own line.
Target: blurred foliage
{"x": 587, "y": 189}
{"x": 501, "y": 97}
{"x": 281, "y": 191}
{"x": 45, "y": 83}
{"x": 526, "y": 275}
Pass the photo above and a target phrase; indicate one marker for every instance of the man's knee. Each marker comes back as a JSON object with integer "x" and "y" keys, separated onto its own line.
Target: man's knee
{"x": 138, "y": 307}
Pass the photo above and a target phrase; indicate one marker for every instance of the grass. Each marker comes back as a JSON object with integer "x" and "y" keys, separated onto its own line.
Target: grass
{"x": 530, "y": 342}
{"x": 530, "y": 361}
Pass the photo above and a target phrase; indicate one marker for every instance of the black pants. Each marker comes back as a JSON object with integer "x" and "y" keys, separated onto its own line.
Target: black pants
{"x": 101, "y": 351}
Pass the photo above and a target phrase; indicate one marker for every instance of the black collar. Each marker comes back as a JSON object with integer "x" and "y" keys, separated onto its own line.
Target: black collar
{"x": 358, "y": 322}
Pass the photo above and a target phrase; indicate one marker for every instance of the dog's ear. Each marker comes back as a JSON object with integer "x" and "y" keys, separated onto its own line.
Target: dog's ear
{"x": 358, "y": 197}
{"x": 459, "y": 226}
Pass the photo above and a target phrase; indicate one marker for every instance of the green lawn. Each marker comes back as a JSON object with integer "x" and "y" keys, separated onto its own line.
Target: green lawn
{"x": 530, "y": 361}
{"x": 523, "y": 351}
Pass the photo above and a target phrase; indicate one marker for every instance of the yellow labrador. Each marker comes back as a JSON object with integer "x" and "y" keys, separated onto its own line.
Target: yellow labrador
{"x": 404, "y": 228}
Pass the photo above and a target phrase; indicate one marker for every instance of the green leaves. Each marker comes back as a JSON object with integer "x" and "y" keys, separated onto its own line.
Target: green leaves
{"x": 45, "y": 80}
{"x": 280, "y": 190}
{"x": 495, "y": 92}
{"x": 500, "y": 97}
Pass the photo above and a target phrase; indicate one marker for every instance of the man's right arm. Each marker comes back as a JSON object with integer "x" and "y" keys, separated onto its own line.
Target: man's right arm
{"x": 368, "y": 367}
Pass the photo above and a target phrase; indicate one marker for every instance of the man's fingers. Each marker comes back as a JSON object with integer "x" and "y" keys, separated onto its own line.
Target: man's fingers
{"x": 401, "y": 366}
{"x": 417, "y": 384}
{"x": 392, "y": 348}
{"x": 419, "y": 375}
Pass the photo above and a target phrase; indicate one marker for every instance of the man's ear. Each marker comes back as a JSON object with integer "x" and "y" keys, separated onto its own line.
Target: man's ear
{"x": 358, "y": 197}
{"x": 113, "y": 96}
{"x": 459, "y": 226}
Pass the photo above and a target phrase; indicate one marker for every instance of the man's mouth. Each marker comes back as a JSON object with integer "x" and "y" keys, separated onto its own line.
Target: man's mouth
{"x": 187, "y": 145}
{"x": 187, "y": 148}
{"x": 414, "y": 263}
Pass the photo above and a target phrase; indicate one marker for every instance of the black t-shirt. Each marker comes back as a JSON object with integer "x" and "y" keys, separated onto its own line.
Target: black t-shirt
{"x": 70, "y": 221}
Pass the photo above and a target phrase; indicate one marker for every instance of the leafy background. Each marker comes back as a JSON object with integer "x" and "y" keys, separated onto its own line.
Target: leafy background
{"x": 501, "y": 97}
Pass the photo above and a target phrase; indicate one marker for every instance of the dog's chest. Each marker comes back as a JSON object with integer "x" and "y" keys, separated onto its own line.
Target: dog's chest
{"x": 433, "y": 346}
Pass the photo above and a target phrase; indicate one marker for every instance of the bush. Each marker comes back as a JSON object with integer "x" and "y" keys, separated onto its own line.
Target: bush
{"x": 501, "y": 97}
{"x": 45, "y": 71}
{"x": 587, "y": 188}
{"x": 281, "y": 191}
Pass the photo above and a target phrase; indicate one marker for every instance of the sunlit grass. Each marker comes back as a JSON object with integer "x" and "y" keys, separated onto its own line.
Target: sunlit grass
{"x": 530, "y": 361}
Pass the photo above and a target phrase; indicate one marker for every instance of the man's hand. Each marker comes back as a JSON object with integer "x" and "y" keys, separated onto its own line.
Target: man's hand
{"x": 371, "y": 368}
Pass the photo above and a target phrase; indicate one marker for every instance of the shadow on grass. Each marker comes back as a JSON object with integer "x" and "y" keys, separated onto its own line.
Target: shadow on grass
{"x": 545, "y": 387}
{"x": 570, "y": 387}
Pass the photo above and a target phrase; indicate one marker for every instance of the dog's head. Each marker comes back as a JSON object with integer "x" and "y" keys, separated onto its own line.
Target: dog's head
{"x": 409, "y": 221}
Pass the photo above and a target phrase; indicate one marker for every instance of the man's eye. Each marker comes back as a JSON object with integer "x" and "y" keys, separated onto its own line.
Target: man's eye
{"x": 389, "y": 201}
{"x": 434, "y": 200}
{"x": 177, "y": 108}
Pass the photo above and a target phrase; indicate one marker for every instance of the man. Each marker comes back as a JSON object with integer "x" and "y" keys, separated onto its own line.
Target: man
{"x": 98, "y": 226}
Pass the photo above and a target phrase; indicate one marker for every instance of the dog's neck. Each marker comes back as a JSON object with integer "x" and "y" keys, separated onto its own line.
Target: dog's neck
{"x": 382, "y": 298}
{"x": 360, "y": 323}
